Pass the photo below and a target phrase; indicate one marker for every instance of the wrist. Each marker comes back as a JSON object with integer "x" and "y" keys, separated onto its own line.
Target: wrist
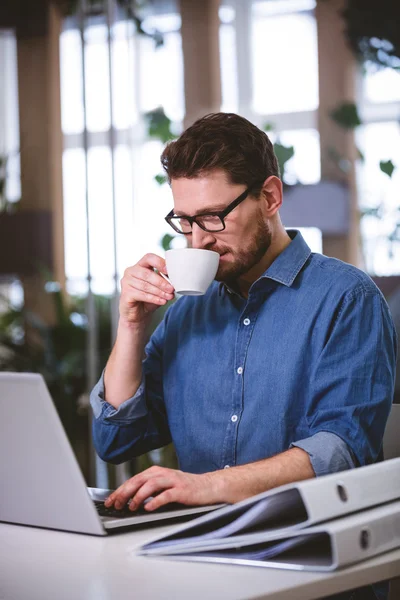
{"x": 218, "y": 483}
{"x": 126, "y": 327}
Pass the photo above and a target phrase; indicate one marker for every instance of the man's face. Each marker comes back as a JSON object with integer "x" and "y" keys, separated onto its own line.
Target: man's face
{"x": 246, "y": 236}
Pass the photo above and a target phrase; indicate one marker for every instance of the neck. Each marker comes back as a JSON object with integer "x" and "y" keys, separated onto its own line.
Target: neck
{"x": 280, "y": 241}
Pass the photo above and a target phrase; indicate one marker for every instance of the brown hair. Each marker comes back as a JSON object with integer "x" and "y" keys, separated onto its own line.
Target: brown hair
{"x": 222, "y": 141}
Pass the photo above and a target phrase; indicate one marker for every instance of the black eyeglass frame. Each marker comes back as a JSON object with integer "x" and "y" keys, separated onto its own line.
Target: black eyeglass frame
{"x": 221, "y": 214}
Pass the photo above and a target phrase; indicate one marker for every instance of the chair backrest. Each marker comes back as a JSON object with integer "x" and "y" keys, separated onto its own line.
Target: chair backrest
{"x": 391, "y": 438}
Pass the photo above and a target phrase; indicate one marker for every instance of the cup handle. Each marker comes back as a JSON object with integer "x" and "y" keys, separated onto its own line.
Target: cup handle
{"x": 165, "y": 277}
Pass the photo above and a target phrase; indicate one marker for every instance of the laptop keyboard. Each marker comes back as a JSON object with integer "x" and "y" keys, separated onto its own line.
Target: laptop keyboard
{"x": 103, "y": 511}
{"x": 122, "y": 513}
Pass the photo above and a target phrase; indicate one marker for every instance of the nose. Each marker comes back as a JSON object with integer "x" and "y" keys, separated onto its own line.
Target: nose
{"x": 201, "y": 238}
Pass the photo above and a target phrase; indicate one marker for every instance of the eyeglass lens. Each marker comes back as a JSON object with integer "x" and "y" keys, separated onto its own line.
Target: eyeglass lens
{"x": 208, "y": 222}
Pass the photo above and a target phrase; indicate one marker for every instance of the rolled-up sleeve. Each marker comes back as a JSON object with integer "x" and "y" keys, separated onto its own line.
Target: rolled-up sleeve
{"x": 128, "y": 411}
{"x": 352, "y": 382}
{"x": 140, "y": 423}
{"x": 328, "y": 453}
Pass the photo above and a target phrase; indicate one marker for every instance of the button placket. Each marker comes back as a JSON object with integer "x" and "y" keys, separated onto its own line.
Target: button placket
{"x": 244, "y": 332}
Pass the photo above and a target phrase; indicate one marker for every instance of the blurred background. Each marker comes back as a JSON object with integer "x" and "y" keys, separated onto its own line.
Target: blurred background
{"x": 91, "y": 90}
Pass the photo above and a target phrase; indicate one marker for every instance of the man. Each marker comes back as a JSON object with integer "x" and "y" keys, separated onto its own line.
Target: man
{"x": 282, "y": 371}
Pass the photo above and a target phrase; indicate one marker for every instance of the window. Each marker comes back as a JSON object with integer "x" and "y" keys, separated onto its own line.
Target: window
{"x": 284, "y": 55}
{"x": 227, "y": 41}
{"x": 381, "y": 85}
{"x": 9, "y": 119}
{"x": 312, "y": 236}
{"x": 125, "y": 206}
{"x": 379, "y": 141}
{"x": 11, "y": 292}
{"x": 269, "y": 71}
{"x": 305, "y": 166}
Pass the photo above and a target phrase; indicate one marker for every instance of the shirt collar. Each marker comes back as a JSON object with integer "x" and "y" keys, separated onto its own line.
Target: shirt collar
{"x": 288, "y": 263}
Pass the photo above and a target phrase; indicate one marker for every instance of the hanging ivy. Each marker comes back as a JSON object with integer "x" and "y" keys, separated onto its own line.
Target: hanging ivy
{"x": 131, "y": 9}
{"x": 373, "y": 31}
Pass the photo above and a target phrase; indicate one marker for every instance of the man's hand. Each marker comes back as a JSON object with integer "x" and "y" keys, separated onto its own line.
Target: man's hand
{"x": 143, "y": 290}
{"x": 169, "y": 484}
{"x": 226, "y": 485}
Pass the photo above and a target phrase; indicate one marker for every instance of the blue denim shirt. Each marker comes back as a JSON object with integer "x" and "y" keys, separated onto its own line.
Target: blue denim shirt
{"x": 307, "y": 360}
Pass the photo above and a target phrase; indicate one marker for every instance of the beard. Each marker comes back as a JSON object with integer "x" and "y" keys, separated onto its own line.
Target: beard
{"x": 246, "y": 258}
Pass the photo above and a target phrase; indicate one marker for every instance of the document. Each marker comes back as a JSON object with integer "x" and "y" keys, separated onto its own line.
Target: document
{"x": 326, "y": 547}
{"x": 282, "y": 520}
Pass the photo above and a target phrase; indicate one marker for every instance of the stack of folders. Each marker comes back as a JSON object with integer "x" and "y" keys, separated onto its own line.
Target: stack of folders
{"x": 321, "y": 524}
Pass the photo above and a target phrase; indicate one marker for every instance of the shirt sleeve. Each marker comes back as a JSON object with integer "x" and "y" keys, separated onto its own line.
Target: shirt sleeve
{"x": 328, "y": 453}
{"x": 140, "y": 423}
{"x": 352, "y": 381}
{"x": 126, "y": 412}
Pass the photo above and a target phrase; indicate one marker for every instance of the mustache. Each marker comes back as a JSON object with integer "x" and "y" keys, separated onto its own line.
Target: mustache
{"x": 219, "y": 249}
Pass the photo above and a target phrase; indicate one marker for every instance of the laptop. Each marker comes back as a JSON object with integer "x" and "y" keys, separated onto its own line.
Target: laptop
{"x": 42, "y": 484}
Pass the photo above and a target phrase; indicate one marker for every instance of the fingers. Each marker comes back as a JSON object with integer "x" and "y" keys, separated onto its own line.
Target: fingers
{"x": 151, "y": 487}
{"x": 125, "y": 491}
{"x": 147, "y": 281}
{"x": 154, "y": 261}
{"x": 136, "y": 295}
{"x": 141, "y": 284}
{"x": 167, "y": 485}
{"x": 169, "y": 495}
{"x": 128, "y": 489}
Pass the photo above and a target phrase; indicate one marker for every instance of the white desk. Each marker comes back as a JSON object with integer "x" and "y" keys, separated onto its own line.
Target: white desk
{"x": 38, "y": 564}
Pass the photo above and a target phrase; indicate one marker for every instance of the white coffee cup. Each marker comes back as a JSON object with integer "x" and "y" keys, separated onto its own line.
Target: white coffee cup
{"x": 191, "y": 270}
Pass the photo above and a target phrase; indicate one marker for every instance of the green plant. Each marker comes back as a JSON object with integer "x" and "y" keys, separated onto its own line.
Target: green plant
{"x": 372, "y": 30}
{"x": 132, "y": 9}
{"x": 282, "y": 153}
{"x": 347, "y": 117}
{"x": 159, "y": 125}
{"x": 373, "y": 34}
{"x": 57, "y": 350}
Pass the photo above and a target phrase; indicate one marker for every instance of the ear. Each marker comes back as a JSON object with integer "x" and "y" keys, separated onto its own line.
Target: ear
{"x": 271, "y": 194}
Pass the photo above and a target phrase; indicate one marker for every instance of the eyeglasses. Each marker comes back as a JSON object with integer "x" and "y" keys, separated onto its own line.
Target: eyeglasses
{"x": 211, "y": 222}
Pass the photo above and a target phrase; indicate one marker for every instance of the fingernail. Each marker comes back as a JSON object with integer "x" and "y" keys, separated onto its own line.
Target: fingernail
{"x": 107, "y": 501}
{"x": 118, "y": 504}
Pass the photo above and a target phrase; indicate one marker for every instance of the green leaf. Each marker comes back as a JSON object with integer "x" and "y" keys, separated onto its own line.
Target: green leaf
{"x": 161, "y": 179}
{"x": 387, "y": 167}
{"x": 346, "y": 116}
{"x": 166, "y": 241}
{"x": 283, "y": 154}
{"x": 159, "y": 125}
{"x": 371, "y": 212}
{"x": 268, "y": 127}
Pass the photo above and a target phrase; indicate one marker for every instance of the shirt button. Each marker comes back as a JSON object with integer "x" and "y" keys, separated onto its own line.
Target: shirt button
{"x": 226, "y": 466}
{"x": 234, "y": 418}
{"x": 240, "y": 370}
{"x": 246, "y": 322}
